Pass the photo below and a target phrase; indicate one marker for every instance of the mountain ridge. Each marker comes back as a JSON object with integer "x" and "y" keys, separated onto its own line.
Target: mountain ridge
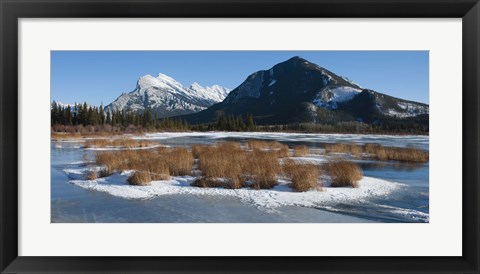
{"x": 166, "y": 97}
{"x": 299, "y": 91}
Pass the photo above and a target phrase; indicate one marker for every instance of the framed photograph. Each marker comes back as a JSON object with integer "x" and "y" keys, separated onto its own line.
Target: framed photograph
{"x": 226, "y": 136}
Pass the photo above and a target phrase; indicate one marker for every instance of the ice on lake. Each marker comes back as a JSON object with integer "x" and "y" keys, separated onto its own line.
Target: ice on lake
{"x": 389, "y": 192}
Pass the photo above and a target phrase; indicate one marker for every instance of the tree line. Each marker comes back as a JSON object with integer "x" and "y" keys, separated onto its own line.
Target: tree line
{"x": 84, "y": 115}
{"x": 75, "y": 118}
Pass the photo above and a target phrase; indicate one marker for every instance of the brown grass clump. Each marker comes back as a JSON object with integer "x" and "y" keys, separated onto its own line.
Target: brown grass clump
{"x": 229, "y": 146}
{"x": 396, "y": 153}
{"x": 104, "y": 173}
{"x": 180, "y": 161}
{"x": 304, "y": 176}
{"x": 215, "y": 162}
{"x": 159, "y": 169}
{"x": 122, "y": 143}
{"x": 112, "y": 161}
{"x": 259, "y": 144}
{"x": 280, "y": 149}
{"x": 225, "y": 160}
{"x": 159, "y": 163}
{"x": 283, "y": 151}
{"x": 199, "y": 149}
{"x": 262, "y": 169}
{"x": 380, "y": 152}
{"x": 372, "y": 148}
{"x": 353, "y": 149}
{"x": 300, "y": 151}
{"x": 344, "y": 173}
{"x": 208, "y": 182}
{"x": 140, "y": 178}
{"x": 57, "y": 136}
{"x": 92, "y": 175}
{"x": 159, "y": 176}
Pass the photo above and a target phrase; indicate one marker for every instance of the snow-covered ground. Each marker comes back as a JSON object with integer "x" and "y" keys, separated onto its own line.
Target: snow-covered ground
{"x": 280, "y": 195}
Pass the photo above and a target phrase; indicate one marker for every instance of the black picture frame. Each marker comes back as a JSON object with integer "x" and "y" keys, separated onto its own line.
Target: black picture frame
{"x": 12, "y": 10}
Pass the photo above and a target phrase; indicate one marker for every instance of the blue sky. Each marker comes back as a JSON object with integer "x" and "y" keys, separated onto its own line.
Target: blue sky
{"x": 101, "y": 76}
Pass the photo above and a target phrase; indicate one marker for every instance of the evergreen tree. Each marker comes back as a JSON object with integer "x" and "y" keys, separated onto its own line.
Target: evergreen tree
{"x": 102, "y": 115}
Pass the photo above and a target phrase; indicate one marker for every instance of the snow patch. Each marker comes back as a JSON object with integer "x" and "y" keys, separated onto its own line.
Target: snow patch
{"x": 329, "y": 97}
{"x": 280, "y": 195}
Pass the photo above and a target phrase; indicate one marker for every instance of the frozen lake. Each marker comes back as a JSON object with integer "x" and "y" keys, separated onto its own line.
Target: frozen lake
{"x": 390, "y": 192}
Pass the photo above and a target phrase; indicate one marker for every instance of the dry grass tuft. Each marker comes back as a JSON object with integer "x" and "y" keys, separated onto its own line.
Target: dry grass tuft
{"x": 259, "y": 144}
{"x": 380, "y": 152}
{"x": 262, "y": 169}
{"x": 57, "y": 136}
{"x": 92, "y": 175}
{"x": 140, "y": 178}
{"x": 344, "y": 173}
{"x": 280, "y": 149}
{"x": 208, "y": 182}
{"x": 228, "y": 160}
{"x": 180, "y": 161}
{"x": 396, "y": 153}
{"x": 300, "y": 151}
{"x": 104, "y": 173}
{"x": 112, "y": 161}
{"x": 353, "y": 149}
{"x": 229, "y": 146}
{"x": 159, "y": 163}
{"x": 283, "y": 151}
{"x": 159, "y": 176}
{"x": 304, "y": 176}
{"x": 225, "y": 160}
{"x": 122, "y": 143}
{"x": 199, "y": 149}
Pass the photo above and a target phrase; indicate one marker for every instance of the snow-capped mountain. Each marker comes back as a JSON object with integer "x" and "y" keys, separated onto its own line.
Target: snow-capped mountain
{"x": 216, "y": 93}
{"x": 166, "y": 97}
{"x": 300, "y": 91}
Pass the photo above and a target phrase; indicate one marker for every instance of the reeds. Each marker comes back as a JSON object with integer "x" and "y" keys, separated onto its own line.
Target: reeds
{"x": 380, "y": 152}
{"x": 92, "y": 175}
{"x": 226, "y": 165}
{"x": 299, "y": 151}
{"x": 198, "y": 149}
{"x": 353, "y": 149}
{"x": 223, "y": 161}
{"x": 119, "y": 143}
{"x": 206, "y": 182}
{"x": 180, "y": 161}
{"x": 280, "y": 149}
{"x": 65, "y": 136}
{"x": 256, "y": 168}
{"x": 408, "y": 154}
{"x": 304, "y": 177}
{"x": 159, "y": 163}
{"x": 344, "y": 173}
{"x": 262, "y": 169}
{"x": 140, "y": 178}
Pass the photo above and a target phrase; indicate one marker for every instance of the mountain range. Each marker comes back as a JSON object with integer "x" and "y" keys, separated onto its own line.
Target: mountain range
{"x": 166, "y": 97}
{"x": 294, "y": 91}
{"x": 298, "y": 91}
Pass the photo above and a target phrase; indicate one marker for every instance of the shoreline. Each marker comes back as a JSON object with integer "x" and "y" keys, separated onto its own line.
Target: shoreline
{"x": 101, "y": 135}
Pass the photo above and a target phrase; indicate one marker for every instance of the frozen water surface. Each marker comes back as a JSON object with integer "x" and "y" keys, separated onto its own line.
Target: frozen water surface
{"x": 389, "y": 192}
